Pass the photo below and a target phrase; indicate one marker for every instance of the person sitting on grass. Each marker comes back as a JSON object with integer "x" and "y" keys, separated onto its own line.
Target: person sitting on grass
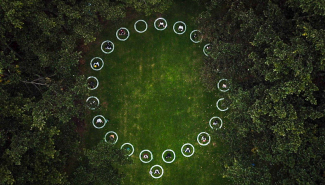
{"x": 145, "y": 156}
{"x": 180, "y": 28}
{"x": 96, "y": 64}
{"x": 161, "y": 24}
{"x": 112, "y": 137}
{"x": 187, "y": 150}
{"x": 194, "y": 36}
{"x": 92, "y": 102}
{"x": 122, "y": 32}
{"x": 91, "y": 84}
{"x": 204, "y": 139}
{"x": 215, "y": 123}
{"x": 99, "y": 121}
{"x": 156, "y": 171}
{"x": 108, "y": 46}
{"x": 224, "y": 86}
{"x": 168, "y": 156}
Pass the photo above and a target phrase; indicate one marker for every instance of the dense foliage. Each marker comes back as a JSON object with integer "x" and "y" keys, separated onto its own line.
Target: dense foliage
{"x": 149, "y": 6}
{"x": 274, "y": 53}
{"x": 99, "y": 166}
{"x": 41, "y": 89}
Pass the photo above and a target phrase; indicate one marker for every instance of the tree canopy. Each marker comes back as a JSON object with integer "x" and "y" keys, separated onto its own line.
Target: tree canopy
{"x": 273, "y": 52}
{"x": 41, "y": 89}
{"x": 149, "y": 6}
{"x": 100, "y": 165}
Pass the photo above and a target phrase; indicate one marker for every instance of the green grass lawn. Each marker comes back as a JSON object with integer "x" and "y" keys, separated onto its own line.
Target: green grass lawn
{"x": 151, "y": 91}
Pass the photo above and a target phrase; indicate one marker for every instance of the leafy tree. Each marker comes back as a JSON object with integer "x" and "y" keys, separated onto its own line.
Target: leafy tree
{"x": 149, "y": 6}
{"x": 41, "y": 90}
{"x": 99, "y": 166}
{"x": 274, "y": 53}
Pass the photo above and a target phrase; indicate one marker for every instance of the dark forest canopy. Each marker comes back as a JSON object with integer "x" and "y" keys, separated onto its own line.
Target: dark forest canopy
{"x": 274, "y": 53}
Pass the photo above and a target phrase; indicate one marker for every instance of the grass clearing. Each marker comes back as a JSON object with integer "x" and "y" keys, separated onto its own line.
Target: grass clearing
{"x": 150, "y": 89}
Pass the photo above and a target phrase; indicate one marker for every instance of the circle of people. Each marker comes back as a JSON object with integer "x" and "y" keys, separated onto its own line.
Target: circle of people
{"x": 109, "y": 46}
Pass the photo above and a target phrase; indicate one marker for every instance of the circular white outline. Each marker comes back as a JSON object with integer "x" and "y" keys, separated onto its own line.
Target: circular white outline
{"x": 192, "y": 39}
{"x": 184, "y": 146}
{"x": 162, "y": 156}
{"x": 135, "y": 26}
{"x": 107, "y": 52}
{"x": 219, "y": 85}
{"x": 92, "y": 62}
{"x": 128, "y": 34}
{"x": 163, "y": 27}
{"x": 146, "y": 150}
{"x": 96, "y": 99}
{"x": 96, "y": 81}
{"x": 162, "y": 171}
{"x": 218, "y": 105}
{"x": 131, "y": 146}
{"x": 204, "y": 49}
{"x": 179, "y": 33}
{"x": 101, "y": 117}
{"x": 216, "y": 117}
{"x": 198, "y": 139}
{"x": 109, "y": 133}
